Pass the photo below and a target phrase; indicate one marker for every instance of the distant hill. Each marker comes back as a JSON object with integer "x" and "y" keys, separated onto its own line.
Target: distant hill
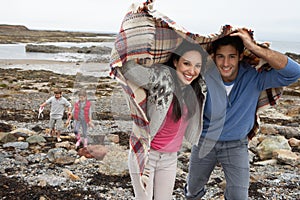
{"x": 10, "y": 34}
{"x": 13, "y": 27}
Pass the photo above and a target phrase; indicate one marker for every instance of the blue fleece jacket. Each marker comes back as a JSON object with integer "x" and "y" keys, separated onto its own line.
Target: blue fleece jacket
{"x": 228, "y": 118}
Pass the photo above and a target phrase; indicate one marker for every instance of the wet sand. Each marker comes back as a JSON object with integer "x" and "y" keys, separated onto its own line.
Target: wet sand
{"x": 68, "y": 68}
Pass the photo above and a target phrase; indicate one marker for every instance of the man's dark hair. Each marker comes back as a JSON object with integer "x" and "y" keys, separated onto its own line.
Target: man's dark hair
{"x": 235, "y": 41}
{"x": 57, "y": 91}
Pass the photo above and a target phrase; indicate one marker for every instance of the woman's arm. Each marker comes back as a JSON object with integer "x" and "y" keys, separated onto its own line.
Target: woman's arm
{"x": 141, "y": 76}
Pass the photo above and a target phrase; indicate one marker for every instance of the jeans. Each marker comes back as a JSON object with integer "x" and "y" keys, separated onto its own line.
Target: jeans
{"x": 84, "y": 126}
{"x": 234, "y": 158}
{"x": 162, "y": 176}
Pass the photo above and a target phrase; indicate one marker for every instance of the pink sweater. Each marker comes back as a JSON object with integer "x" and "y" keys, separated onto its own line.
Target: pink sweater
{"x": 170, "y": 135}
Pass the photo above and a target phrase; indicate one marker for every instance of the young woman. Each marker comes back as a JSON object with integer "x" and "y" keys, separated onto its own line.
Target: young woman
{"x": 175, "y": 96}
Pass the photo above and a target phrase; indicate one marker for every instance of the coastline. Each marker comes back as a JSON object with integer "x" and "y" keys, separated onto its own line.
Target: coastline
{"x": 30, "y": 61}
{"x": 61, "y": 67}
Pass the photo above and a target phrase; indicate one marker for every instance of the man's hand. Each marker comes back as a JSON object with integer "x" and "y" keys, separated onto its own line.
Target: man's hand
{"x": 248, "y": 41}
{"x": 276, "y": 59}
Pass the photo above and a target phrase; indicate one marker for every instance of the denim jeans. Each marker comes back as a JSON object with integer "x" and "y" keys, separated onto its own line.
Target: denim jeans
{"x": 83, "y": 125}
{"x": 234, "y": 158}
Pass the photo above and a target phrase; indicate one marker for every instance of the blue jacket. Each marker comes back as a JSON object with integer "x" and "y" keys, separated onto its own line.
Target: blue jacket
{"x": 228, "y": 118}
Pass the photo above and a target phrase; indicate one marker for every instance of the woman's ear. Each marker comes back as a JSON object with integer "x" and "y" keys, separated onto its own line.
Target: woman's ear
{"x": 175, "y": 63}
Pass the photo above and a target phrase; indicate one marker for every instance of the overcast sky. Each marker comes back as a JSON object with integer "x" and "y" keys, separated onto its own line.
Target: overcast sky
{"x": 270, "y": 20}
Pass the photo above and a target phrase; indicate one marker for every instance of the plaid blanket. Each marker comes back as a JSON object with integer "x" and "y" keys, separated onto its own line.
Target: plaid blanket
{"x": 148, "y": 37}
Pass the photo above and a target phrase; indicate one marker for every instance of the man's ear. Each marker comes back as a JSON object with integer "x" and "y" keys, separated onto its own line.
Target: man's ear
{"x": 241, "y": 56}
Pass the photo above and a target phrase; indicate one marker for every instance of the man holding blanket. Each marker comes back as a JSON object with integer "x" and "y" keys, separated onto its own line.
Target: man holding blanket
{"x": 234, "y": 88}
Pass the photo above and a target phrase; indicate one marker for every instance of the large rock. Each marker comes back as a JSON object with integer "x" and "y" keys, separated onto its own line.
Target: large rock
{"x": 60, "y": 156}
{"x": 286, "y": 157}
{"x": 7, "y": 137}
{"x": 5, "y": 127}
{"x": 93, "y": 151}
{"x": 22, "y": 131}
{"x": 17, "y": 145}
{"x": 97, "y": 151}
{"x": 267, "y": 146}
{"x": 36, "y": 139}
{"x": 115, "y": 162}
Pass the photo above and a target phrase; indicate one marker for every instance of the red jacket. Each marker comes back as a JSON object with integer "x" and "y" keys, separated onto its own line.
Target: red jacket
{"x": 86, "y": 111}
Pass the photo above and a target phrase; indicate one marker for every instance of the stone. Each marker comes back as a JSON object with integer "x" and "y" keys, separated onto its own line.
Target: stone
{"x": 268, "y": 145}
{"x": 286, "y": 157}
{"x": 36, "y": 139}
{"x": 17, "y": 145}
{"x": 97, "y": 151}
{"x": 60, "y": 156}
{"x": 7, "y": 137}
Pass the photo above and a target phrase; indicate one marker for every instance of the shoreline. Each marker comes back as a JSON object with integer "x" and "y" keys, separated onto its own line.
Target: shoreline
{"x": 31, "y": 61}
{"x": 95, "y": 69}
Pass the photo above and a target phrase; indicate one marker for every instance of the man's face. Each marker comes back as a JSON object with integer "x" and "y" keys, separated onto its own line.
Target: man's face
{"x": 227, "y": 60}
{"x": 57, "y": 95}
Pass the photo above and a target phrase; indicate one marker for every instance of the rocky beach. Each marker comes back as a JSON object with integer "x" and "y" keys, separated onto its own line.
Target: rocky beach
{"x": 34, "y": 166}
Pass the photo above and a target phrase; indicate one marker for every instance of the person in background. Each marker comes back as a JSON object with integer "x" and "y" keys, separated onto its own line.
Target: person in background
{"x": 174, "y": 89}
{"x": 58, "y": 104}
{"x": 230, "y": 109}
{"x": 82, "y": 115}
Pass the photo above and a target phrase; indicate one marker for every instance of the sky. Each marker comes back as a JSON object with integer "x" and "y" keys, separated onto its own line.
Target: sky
{"x": 271, "y": 20}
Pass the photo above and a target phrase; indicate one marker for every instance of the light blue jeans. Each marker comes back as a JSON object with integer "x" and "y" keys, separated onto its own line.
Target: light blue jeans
{"x": 162, "y": 176}
{"x": 84, "y": 126}
{"x": 234, "y": 158}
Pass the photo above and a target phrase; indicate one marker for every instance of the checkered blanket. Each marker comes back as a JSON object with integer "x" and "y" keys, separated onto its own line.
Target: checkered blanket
{"x": 148, "y": 37}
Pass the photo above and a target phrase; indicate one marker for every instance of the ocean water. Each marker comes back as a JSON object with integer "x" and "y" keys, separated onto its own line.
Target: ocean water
{"x": 87, "y": 69}
{"x": 17, "y": 51}
{"x": 283, "y": 47}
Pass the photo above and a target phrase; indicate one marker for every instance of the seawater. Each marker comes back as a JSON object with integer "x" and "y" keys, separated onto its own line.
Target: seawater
{"x": 17, "y": 51}
{"x": 284, "y": 47}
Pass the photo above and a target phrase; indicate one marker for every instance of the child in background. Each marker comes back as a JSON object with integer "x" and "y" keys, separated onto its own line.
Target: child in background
{"x": 58, "y": 104}
{"x": 82, "y": 117}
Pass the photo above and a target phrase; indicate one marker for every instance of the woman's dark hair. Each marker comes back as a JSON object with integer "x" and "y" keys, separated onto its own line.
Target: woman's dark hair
{"x": 194, "y": 90}
{"x": 235, "y": 41}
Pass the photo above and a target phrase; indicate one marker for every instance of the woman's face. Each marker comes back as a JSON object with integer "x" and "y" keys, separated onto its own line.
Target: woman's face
{"x": 82, "y": 98}
{"x": 188, "y": 66}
